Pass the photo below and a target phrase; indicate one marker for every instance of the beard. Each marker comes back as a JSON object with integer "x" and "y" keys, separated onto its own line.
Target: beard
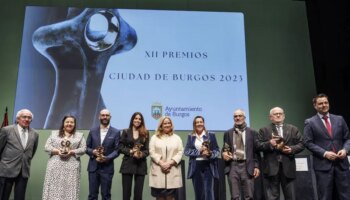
{"x": 104, "y": 122}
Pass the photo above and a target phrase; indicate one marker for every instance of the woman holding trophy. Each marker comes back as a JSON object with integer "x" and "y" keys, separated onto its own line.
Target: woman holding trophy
{"x": 203, "y": 151}
{"x": 134, "y": 144}
{"x": 166, "y": 151}
{"x": 65, "y": 146}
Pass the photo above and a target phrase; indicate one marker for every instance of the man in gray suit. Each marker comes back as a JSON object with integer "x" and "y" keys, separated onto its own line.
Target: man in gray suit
{"x": 18, "y": 143}
{"x": 279, "y": 142}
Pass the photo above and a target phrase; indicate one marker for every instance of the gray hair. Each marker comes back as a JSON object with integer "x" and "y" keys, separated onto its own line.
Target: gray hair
{"x": 274, "y": 108}
{"x": 240, "y": 110}
{"x": 20, "y": 112}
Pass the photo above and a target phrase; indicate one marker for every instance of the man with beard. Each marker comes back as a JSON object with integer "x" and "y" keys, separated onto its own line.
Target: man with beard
{"x": 102, "y": 147}
{"x": 241, "y": 159}
{"x": 327, "y": 137}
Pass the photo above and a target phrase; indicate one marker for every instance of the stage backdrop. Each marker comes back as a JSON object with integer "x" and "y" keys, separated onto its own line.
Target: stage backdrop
{"x": 171, "y": 63}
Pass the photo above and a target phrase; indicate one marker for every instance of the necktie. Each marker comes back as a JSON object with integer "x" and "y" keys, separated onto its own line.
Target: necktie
{"x": 329, "y": 129}
{"x": 328, "y": 125}
{"x": 279, "y": 130}
{"x": 24, "y": 138}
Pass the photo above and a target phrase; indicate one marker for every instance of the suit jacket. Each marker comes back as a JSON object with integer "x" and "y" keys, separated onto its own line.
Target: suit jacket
{"x": 317, "y": 140}
{"x": 110, "y": 144}
{"x": 130, "y": 165}
{"x": 193, "y": 153}
{"x": 14, "y": 159}
{"x": 293, "y": 139}
{"x": 250, "y": 152}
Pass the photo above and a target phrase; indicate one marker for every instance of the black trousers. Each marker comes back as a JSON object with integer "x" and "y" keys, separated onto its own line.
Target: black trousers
{"x": 127, "y": 186}
{"x": 273, "y": 186}
{"x": 6, "y": 185}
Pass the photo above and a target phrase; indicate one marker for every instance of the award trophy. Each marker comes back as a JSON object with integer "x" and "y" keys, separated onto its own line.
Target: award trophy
{"x": 227, "y": 149}
{"x": 206, "y": 148}
{"x": 137, "y": 150}
{"x": 100, "y": 151}
{"x": 279, "y": 141}
{"x": 65, "y": 144}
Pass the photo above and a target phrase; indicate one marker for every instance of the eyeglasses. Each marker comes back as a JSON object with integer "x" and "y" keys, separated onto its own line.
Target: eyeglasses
{"x": 235, "y": 116}
{"x": 275, "y": 114}
{"x": 26, "y": 117}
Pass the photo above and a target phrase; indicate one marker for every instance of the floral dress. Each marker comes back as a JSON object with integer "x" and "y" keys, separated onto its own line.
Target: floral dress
{"x": 62, "y": 179}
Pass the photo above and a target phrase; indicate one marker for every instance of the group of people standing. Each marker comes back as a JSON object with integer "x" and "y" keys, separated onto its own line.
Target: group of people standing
{"x": 325, "y": 135}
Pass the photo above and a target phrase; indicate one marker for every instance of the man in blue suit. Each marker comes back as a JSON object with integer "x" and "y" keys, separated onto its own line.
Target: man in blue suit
{"x": 102, "y": 147}
{"x": 327, "y": 137}
{"x": 241, "y": 159}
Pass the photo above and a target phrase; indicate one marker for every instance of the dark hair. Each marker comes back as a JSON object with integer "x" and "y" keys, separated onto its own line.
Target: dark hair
{"x": 194, "y": 123}
{"x": 142, "y": 128}
{"x": 321, "y": 95}
{"x": 61, "y": 131}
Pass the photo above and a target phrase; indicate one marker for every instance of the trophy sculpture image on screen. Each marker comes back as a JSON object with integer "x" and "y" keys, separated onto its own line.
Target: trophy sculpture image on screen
{"x": 100, "y": 151}
{"x": 227, "y": 149}
{"x": 65, "y": 146}
{"x": 279, "y": 141}
{"x": 137, "y": 150}
{"x": 206, "y": 148}
{"x": 98, "y": 35}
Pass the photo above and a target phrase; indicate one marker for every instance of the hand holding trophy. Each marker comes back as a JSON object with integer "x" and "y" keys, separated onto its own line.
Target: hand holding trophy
{"x": 65, "y": 148}
{"x": 205, "y": 150}
{"x": 280, "y": 143}
{"x": 99, "y": 155}
{"x": 227, "y": 152}
{"x": 137, "y": 153}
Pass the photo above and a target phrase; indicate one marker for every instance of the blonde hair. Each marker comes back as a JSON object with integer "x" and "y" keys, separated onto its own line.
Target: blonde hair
{"x": 159, "y": 131}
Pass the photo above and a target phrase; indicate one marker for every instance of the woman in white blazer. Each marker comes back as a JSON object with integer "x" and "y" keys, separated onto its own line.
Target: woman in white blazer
{"x": 166, "y": 151}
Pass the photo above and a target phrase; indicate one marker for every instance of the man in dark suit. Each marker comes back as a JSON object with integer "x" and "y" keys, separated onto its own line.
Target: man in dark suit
{"x": 102, "y": 147}
{"x": 18, "y": 144}
{"x": 240, "y": 158}
{"x": 279, "y": 142}
{"x": 327, "y": 137}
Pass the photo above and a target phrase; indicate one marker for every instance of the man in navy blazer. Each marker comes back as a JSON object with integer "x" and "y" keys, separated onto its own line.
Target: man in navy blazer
{"x": 101, "y": 162}
{"x": 241, "y": 170}
{"x": 327, "y": 137}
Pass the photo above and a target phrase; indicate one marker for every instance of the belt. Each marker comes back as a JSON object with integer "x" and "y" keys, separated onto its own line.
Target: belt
{"x": 238, "y": 161}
